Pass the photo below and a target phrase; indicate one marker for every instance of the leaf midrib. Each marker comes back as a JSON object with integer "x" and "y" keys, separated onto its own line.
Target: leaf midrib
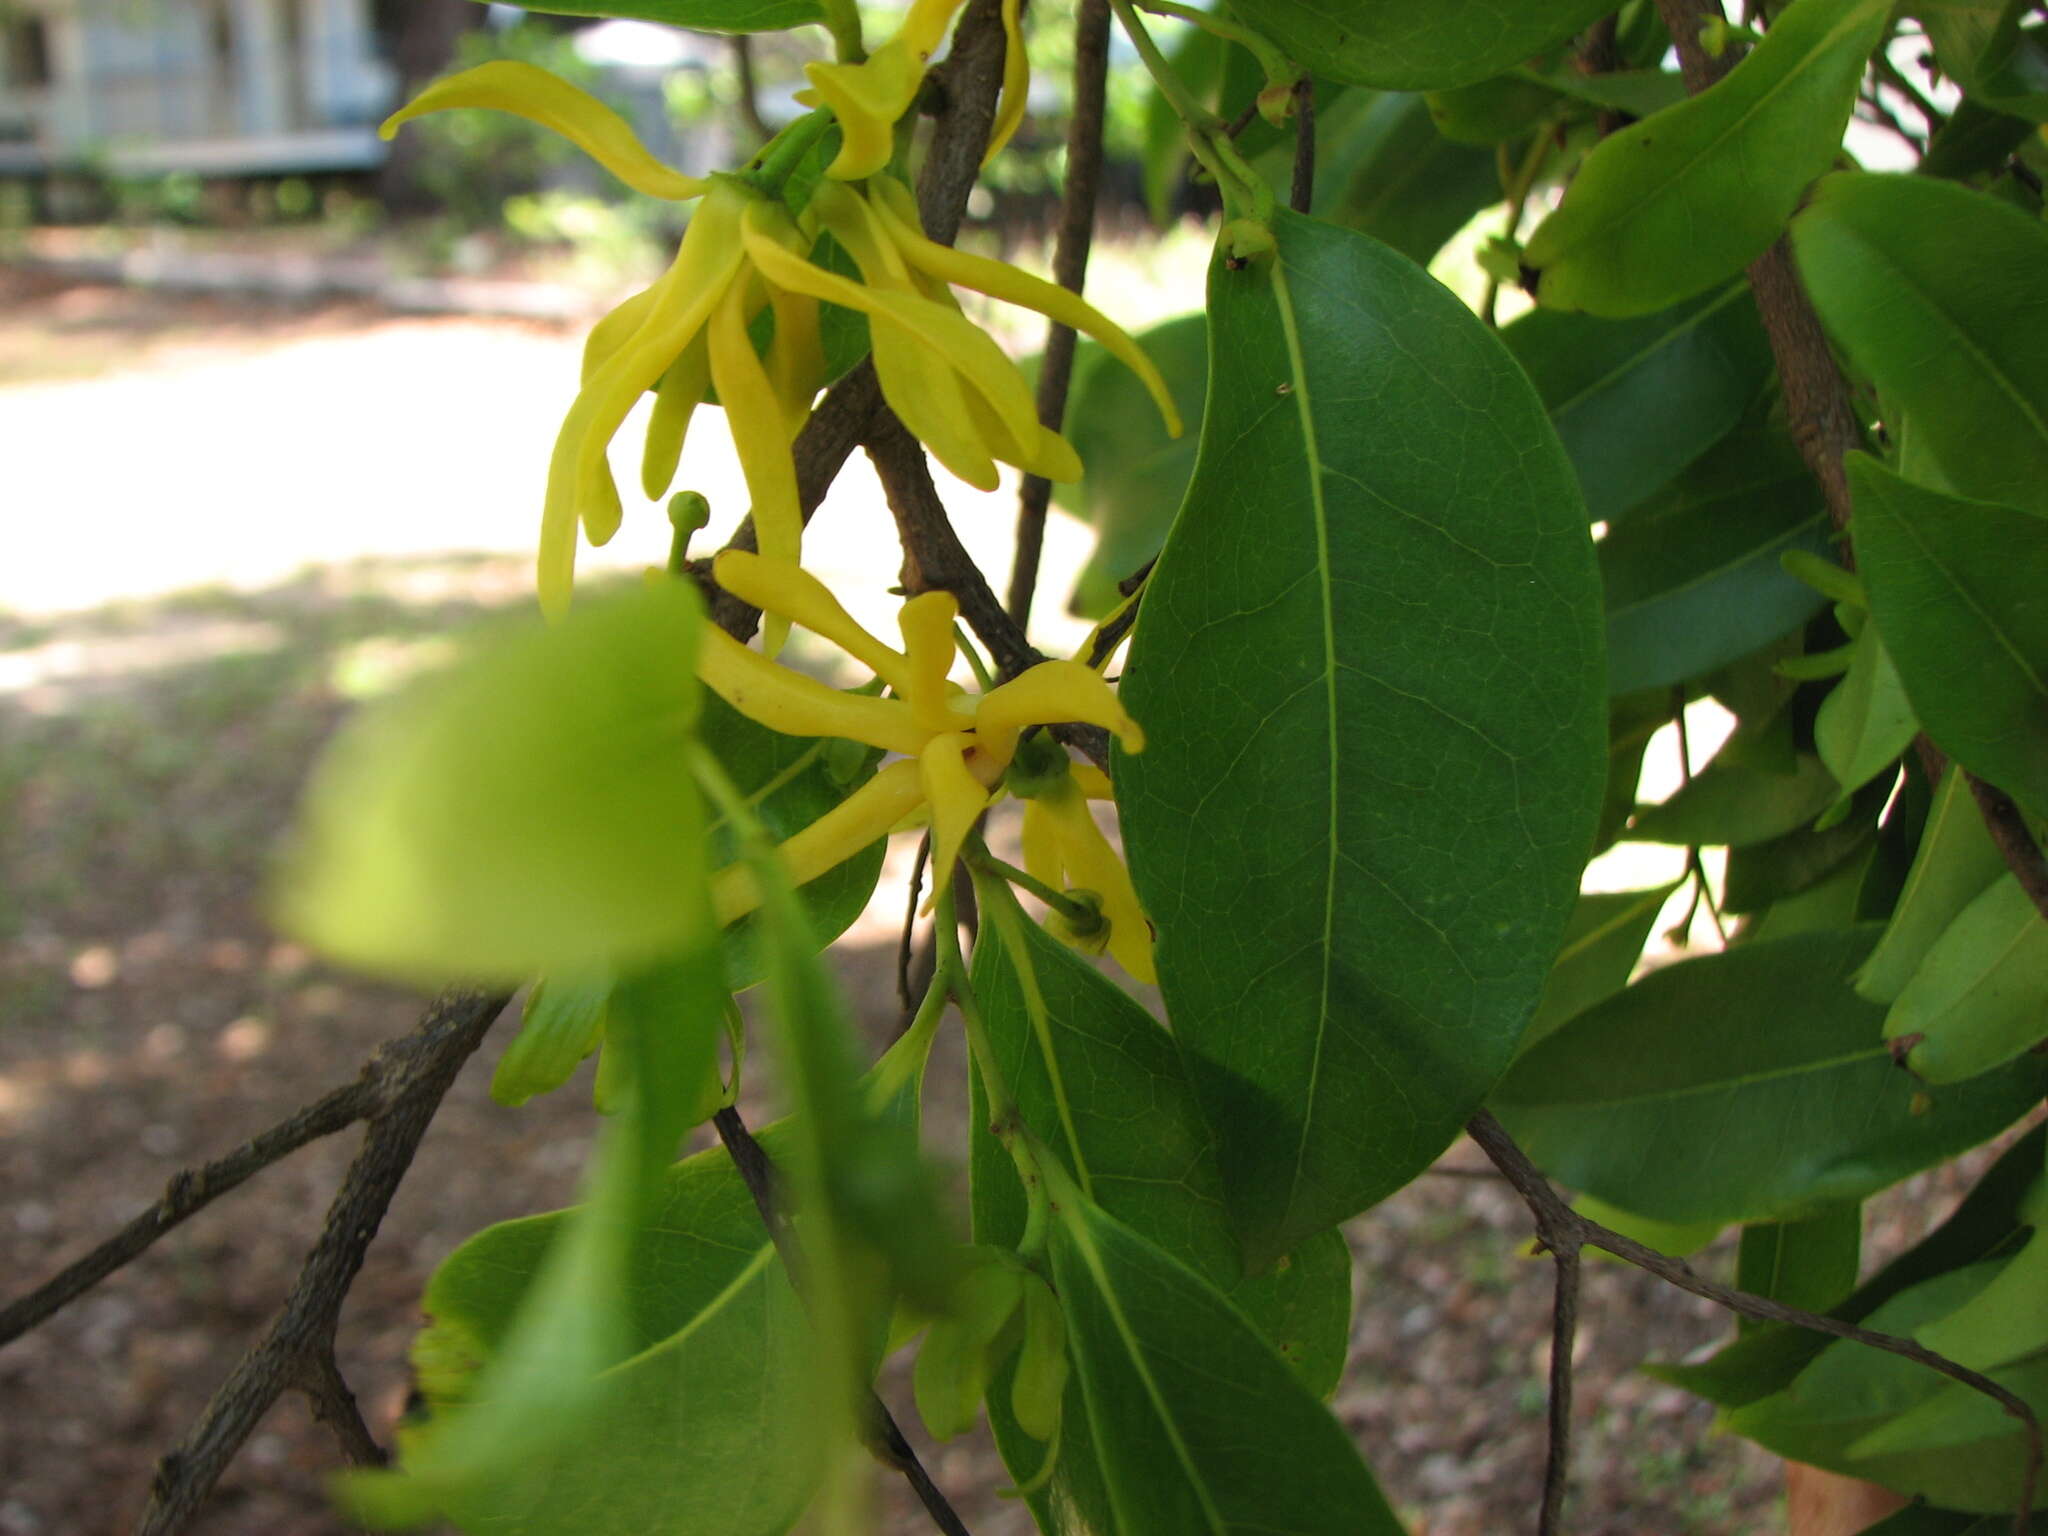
{"x": 1635, "y": 359}
{"x": 1298, "y": 377}
{"x": 1721, "y": 1084}
{"x": 1969, "y": 598}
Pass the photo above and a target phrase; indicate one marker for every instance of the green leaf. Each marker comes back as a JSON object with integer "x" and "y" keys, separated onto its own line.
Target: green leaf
{"x": 1394, "y": 44}
{"x": 526, "y": 810}
{"x": 1632, "y": 1101}
{"x": 1678, "y": 1239}
{"x": 1378, "y": 595}
{"x": 697, "y": 15}
{"x": 1602, "y": 943}
{"x": 1980, "y": 994}
{"x": 1693, "y": 578}
{"x": 1932, "y": 290}
{"x": 1974, "y": 140}
{"x": 1735, "y": 801}
{"x": 1199, "y": 1426}
{"x": 1955, "y": 861}
{"x": 702, "y": 1427}
{"x": 563, "y": 1022}
{"x": 1763, "y": 874}
{"x": 1955, "y": 588}
{"x": 1635, "y": 401}
{"x": 1682, "y": 200}
{"x": 1865, "y": 722}
{"x": 1808, "y": 1263}
{"x": 1102, "y": 1084}
{"x": 1984, "y": 1225}
{"x": 789, "y": 782}
{"x": 1985, "y": 50}
{"x": 1383, "y": 170}
{"x": 1133, "y": 474}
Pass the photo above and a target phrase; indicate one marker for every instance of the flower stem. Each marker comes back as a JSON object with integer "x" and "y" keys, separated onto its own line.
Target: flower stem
{"x": 1245, "y": 195}
{"x": 842, "y": 20}
{"x": 1079, "y": 913}
{"x": 1278, "y": 69}
{"x": 780, "y": 156}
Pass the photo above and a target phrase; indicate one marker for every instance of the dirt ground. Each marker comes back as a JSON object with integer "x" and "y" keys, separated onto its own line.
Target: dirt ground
{"x": 155, "y": 721}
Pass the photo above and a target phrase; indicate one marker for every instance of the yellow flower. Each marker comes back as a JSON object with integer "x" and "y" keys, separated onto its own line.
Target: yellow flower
{"x": 1066, "y": 849}
{"x": 869, "y": 98}
{"x": 686, "y": 331}
{"x": 950, "y": 383}
{"x": 955, "y": 746}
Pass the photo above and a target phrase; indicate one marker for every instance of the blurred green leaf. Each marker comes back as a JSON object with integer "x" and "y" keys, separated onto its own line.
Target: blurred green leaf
{"x": 563, "y": 1022}
{"x": 1602, "y": 943}
{"x": 1866, "y": 721}
{"x": 1735, "y": 801}
{"x": 1631, "y": 1101}
{"x": 1689, "y": 197}
{"x": 1810, "y": 1262}
{"x": 526, "y": 810}
{"x": 1984, "y": 49}
{"x": 1383, "y": 170}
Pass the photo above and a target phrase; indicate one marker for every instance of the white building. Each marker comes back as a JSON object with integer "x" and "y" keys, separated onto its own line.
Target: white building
{"x": 220, "y": 87}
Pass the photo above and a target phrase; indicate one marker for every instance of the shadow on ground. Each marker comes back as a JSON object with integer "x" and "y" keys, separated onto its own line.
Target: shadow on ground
{"x": 149, "y": 755}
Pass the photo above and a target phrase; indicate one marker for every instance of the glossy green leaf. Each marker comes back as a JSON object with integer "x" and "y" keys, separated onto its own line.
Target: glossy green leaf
{"x": 1631, "y": 1101}
{"x": 1955, "y": 588}
{"x": 1397, "y": 45}
{"x": 1810, "y": 1262}
{"x": 1985, "y": 1225}
{"x": 1933, "y": 292}
{"x": 1955, "y": 862}
{"x": 1866, "y": 721}
{"x": 525, "y": 810}
{"x": 1735, "y": 801}
{"x": 1133, "y": 474}
{"x": 1763, "y": 874}
{"x": 1602, "y": 943}
{"x": 1199, "y": 1426}
{"x": 1635, "y": 401}
{"x": 563, "y": 1022}
{"x": 1688, "y": 198}
{"x": 705, "y": 1422}
{"x": 1383, "y": 170}
{"x": 697, "y": 15}
{"x": 789, "y": 782}
{"x": 1980, "y": 994}
{"x": 1378, "y": 594}
{"x": 1693, "y": 577}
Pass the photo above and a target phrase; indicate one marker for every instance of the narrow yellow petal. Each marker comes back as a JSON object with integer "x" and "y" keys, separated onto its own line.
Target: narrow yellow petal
{"x": 870, "y": 812}
{"x": 796, "y": 356}
{"x": 1092, "y": 865}
{"x": 796, "y": 705}
{"x": 1016, "y": 82}
{"x": 1047, "y": 694}
{"x": 1041, "y": 845}
{"x": 780, "y": 586}
{"x": 928, "y": 648}
{"x": 1093, "y": 782}
{"x": 755, "y": 420}
{"x": 867, "y": 99}
{"x": 925, "y": 23}
{"x": 1044, "y": 452}
{"x": 676, "y": 397}
{"x": 506, "y": 85}
{"x": 956, "y": 797}
{"x": 614, "y": 331}
{"x": 998, "y": 279}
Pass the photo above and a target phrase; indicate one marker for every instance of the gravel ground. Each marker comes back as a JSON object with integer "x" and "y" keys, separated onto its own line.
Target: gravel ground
{"x": 149, "y": 751}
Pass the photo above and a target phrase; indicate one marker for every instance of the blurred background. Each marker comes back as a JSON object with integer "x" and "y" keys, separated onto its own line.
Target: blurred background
{"x": 276, "y": 402}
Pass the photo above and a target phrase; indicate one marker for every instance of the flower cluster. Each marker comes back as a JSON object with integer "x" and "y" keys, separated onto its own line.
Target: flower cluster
{"x": 751, "y": 247}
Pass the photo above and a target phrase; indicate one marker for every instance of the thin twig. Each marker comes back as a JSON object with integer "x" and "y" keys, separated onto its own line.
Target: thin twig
{"x": 298, "y": 1351}
{"x": 749, "y": 92}
{"x": 1119, "y": 624}
{"x": 1563, "y": 1229}
{"x": 1302, "y": 192}
{"x": 190, "y": 1191}
{"x": 906, "y": 944}
{"x": 1564, "y": 1329}
{"x": 1070, "y": 271}
{"x": 881, "y": 1433}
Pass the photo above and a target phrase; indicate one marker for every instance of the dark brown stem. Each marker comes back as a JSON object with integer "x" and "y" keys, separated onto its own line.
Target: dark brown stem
{"x": 1563, "y": 1229}
{"x": 414, "y": 1073}
{"x": 2008, "y": 829}
{"x": 190, "y": 1191}
{"x": 1301, "y": 192}
{"x": 881, "y": 1433}
{"x": 906, "y": 946}
{"x": 1599, "y": 53}
{"x": 1564, "y": 1330}
{"x": 750, "y": 99}
{"x": 1070, "y": 271}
